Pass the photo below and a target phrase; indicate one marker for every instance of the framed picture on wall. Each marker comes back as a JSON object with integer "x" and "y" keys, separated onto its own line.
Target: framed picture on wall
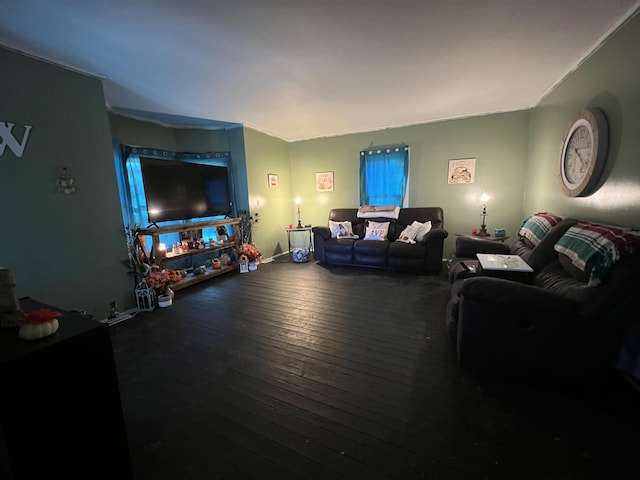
{"x": 324, "y": 181}
{"x": 462, "y": 170}
{"x": 273, "y": 180}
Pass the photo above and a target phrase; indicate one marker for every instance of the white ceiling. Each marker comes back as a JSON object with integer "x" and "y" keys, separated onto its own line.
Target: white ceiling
{"x": 302, "y": 69}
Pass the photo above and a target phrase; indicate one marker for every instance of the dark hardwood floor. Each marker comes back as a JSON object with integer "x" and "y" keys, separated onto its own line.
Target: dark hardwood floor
{"x": 302, "y": 371}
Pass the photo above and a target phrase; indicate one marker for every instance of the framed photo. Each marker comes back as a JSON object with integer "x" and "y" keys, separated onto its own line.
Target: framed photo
{"x": 273, "y": 180}
{"x": 324, "y": 181}
{"x": 462, "y": 170}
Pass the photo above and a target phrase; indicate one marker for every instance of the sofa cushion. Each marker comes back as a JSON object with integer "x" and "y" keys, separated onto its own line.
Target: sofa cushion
{"x": 408, "y": 235}
{"x": 372, "y": 253}
{"x": 544, "y": 252}
{"x": 423, "y": 229}
{"x": 376, "y": 230}
{"x": 406, "y": 250}
{"x": 341, "y": 229}
{"x": 370, "y": 247}
{"x": 536, "y": 227}
{"x": 593, "y": 249}
{"x": 339, "y": 245}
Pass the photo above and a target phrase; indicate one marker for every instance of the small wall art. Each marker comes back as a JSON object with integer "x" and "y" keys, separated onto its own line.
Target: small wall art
{"x": 462, "y": 170}
{"x": 273, "y": 180}
{"x": 324, "y": 181}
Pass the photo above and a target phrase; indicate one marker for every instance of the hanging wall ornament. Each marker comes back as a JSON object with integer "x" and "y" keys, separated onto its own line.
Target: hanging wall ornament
{"x": 64, "y": 179}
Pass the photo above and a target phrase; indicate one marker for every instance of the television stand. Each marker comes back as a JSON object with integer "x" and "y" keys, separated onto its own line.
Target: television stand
{"x": 191, "y": 279}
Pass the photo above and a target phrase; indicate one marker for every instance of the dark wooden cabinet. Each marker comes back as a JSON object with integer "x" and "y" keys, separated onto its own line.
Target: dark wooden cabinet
{"x": 60, "y": 409}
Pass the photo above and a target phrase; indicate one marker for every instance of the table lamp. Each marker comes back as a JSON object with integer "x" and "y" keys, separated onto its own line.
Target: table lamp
{"x": 483, "y": 215}
{"x": 298, "y": 201}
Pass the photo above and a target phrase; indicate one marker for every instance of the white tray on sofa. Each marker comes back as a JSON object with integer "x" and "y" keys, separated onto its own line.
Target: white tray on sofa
{"x": 507, "y": 263}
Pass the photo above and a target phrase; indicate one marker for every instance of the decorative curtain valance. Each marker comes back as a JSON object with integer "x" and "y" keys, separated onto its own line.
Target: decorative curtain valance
{"x": 129, "y": 150}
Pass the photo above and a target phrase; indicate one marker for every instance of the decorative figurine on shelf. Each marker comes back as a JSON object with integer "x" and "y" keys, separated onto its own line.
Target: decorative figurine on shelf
{"x": 243, "y": 262}
{"x": 225, "y": 259}
{"x": 222, "y": 233}
{"x": 199, "y": 270}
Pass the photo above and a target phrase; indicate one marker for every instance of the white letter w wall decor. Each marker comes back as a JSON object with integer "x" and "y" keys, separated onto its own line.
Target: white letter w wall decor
{"x": 8, "y": 140}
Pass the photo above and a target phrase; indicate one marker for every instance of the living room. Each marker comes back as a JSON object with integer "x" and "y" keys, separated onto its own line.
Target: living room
{"x": 516, "y": 152}
{"x": 67, "y": 249}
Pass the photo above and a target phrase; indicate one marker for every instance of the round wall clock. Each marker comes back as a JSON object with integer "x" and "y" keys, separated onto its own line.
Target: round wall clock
{"x": 584, "y": 153}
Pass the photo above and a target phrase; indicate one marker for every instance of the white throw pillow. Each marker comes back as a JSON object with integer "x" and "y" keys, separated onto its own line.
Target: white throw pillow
{"x": 340, "y": 229}
{"x": 409, "y": 234}
{"x": 377, "y": 231}
{"x": 424, "y": 228}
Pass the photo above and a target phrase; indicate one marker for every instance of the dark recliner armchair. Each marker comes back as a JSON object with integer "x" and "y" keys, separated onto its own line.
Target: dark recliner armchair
{"x": 552, "y": 325}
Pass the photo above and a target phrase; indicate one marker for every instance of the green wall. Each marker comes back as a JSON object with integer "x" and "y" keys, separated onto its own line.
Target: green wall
{"x": 498, "y": 142}
{"x": 609, "y": 80}
{"x": 270, "y": 206}
{"x": 128, "y": 131}
{"x": 64, "y": 250}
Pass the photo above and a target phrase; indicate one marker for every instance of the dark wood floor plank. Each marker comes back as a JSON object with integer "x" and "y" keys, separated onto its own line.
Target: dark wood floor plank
{"x": 302, "y": 371}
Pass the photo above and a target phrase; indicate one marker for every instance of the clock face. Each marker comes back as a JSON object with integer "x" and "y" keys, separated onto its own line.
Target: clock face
{"x": 578, "y": 154}
{"x": 583, "y": 153}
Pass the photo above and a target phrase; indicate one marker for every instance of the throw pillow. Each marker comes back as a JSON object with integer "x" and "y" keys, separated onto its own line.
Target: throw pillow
{"x": 340, "y": 229}
{"x": 536, "y": 227}
{"x": 424, "y": 228}
{"x": 408, "y": 235}
{"x": 593, "y": 249}
{"x": 377, "y": 231}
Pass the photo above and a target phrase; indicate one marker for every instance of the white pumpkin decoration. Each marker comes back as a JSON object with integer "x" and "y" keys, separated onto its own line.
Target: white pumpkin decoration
{"x": 34, "y": 331}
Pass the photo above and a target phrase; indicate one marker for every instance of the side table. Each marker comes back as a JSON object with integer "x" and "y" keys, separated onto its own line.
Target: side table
{"x": 300, "y": 230}
{"x": 477, "y": 237}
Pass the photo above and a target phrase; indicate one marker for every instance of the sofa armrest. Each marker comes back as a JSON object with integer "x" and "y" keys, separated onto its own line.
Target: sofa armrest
{"x": 324, "y": 232}
{"x": 434, "y": 235}
{"x": 467, "y": 247}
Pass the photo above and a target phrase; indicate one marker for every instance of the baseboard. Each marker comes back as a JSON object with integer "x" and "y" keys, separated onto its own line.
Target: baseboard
{"x": 272, "y": 258}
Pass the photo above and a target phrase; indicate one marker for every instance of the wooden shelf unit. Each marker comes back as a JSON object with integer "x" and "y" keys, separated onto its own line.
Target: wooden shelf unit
{"x": 191, "y": 279}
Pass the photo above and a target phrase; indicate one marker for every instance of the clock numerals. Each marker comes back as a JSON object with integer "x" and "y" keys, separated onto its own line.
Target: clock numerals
{"x": 584, "y": 153}
{"x": 578, "y": 155}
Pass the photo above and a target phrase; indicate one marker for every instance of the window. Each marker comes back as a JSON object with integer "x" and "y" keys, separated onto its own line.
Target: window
{"x": 384, "y": 176}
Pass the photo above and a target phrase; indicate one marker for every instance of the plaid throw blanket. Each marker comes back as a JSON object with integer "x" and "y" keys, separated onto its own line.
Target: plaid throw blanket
{"x": 594, "y": 248}
{"x": 537, "y": 226}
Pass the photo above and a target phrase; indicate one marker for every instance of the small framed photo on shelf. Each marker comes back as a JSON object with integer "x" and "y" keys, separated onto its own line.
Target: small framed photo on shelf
{"x": 273, "y": 180}
{"x": 324, "y": 181}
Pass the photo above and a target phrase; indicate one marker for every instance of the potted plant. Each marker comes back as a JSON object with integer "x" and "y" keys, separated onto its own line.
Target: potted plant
{"x": 252, "y": 253}
{"x": 160, "y": 280}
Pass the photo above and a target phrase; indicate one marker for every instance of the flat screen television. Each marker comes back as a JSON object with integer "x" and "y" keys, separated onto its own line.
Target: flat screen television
{"x": 181, "y": 190}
